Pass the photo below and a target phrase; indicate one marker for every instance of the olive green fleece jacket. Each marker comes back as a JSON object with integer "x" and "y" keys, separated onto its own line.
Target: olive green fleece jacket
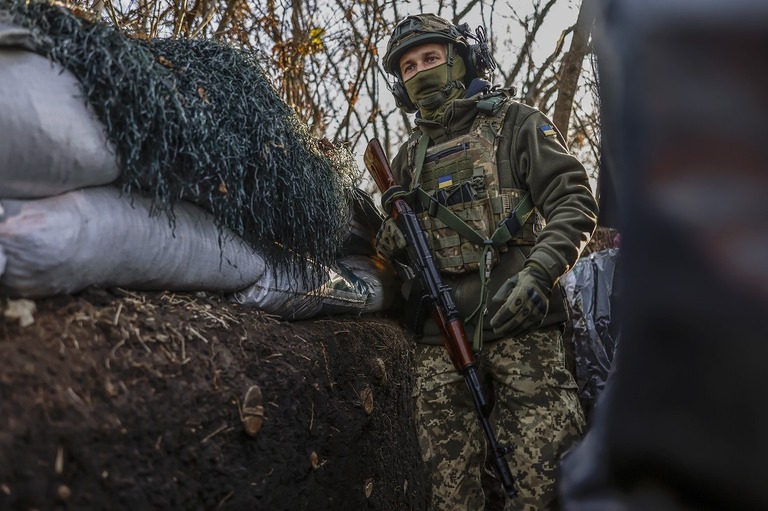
{"x": 560, "y": 191}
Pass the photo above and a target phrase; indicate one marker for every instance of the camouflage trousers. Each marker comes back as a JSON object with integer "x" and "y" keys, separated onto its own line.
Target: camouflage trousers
{"x": 536, "y": 411}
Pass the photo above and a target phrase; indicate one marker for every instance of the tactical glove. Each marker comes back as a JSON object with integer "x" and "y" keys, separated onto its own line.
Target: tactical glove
{"x": 390, "y": 241}
{"x": 525, "y": 300}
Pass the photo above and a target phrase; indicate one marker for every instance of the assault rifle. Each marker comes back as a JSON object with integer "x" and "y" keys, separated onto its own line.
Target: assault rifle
{"x": 442, "y": 307}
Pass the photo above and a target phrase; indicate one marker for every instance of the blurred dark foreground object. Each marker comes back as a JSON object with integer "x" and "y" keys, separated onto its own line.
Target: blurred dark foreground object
{"x": 682, "y": 422}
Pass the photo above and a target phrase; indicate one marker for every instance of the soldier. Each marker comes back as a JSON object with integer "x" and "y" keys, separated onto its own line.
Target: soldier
{"x": 476, "y": 160}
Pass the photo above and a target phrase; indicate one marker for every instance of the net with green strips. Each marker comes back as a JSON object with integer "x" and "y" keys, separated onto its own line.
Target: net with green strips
{"x": 200, "y": 121}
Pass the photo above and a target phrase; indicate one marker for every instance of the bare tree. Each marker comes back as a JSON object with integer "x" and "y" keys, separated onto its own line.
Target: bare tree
{"x": 324, "y": 57}
{"x": 570, "y": 68}
{"x": 531, "y": 24}
{"x": 551, "y": 79}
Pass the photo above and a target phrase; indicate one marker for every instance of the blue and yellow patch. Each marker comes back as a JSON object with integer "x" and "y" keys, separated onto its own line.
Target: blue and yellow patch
{"x": 547, "y": 130}
{"x": 444, "y": 181}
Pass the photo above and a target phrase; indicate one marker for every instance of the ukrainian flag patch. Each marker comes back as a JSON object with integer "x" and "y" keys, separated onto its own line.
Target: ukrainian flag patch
{"x": 444, "y": 181}
{"x": 547, "y": 130}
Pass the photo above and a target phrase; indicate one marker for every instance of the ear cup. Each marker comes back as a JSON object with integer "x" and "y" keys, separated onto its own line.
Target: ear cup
{"x": 401, "y": 97}
{"x": 481, "y": 60}
{"x": 472, "y": 62}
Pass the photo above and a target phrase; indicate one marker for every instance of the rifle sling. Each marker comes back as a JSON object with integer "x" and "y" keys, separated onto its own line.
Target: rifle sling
{"x": 505, "y": 231}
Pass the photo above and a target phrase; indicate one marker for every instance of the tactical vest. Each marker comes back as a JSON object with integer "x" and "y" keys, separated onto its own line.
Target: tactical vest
{"x": 463, "y": 176}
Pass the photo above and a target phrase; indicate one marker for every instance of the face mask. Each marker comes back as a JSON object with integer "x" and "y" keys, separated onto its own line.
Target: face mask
{"x": 432, "y": 90}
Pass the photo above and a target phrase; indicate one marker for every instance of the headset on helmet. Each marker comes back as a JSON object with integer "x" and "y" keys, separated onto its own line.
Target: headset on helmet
{"x": 420, "y": 29}
{"x": 481, "y": 61}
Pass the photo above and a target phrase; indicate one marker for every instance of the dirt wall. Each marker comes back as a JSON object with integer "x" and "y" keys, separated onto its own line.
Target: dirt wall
{"x": 123, "y": 400}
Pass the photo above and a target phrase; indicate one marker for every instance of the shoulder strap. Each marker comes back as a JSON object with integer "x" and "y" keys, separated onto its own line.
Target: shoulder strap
{"x": 494, "y": 108}
{"x": 490, "y": 105}
{"x": 509, "y": 227}
{"x": 505, "y": 231}
{"x": 421, "y": 153}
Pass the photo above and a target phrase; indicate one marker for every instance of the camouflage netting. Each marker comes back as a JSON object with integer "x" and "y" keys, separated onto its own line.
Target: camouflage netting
{"x": 199, "y": 120}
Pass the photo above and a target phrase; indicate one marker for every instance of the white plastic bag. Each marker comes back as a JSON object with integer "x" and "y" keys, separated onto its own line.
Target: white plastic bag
{"x": 357, "y": 284}
{"x": 65, "y": 243}
{"x": 94, "y": 236}
{"x": 50, "y": 141}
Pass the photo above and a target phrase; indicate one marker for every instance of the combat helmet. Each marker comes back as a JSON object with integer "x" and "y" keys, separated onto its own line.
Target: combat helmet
{"x": 419, "y": 29}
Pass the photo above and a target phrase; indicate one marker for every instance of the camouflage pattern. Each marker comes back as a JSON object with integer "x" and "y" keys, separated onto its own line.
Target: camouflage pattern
{"x": 534, "y": 161}
{"x": 416, "y": 30}
{"x": 448, "y": 170}
{"x": 390, "y": 241}
{"x": 528, "y": 159}
{"x": 537, "y": 412}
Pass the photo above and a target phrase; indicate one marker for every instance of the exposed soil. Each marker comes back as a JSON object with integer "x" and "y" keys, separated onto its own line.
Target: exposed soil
{"x": 113, "y": 399}
{"x": 123, "y": 400}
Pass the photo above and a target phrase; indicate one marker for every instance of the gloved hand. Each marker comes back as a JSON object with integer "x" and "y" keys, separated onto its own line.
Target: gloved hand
{"x": 525, "y": 300}
{"x": 390, "y": 241}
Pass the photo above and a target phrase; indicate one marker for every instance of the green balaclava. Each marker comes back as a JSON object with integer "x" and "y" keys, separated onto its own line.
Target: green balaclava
{"x": 432, "y": 90}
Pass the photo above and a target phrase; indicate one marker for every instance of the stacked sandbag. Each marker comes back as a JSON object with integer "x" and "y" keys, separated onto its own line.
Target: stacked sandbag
{"x": 354, "y": 284}
{"x": 64, "y": 243}
{"x": 51, "y": 140}
{"x": 67, "y": 242}
{"x": 78, "y": 209}
{"x": 200, "y": 121}
{"x": 60, "y": 231}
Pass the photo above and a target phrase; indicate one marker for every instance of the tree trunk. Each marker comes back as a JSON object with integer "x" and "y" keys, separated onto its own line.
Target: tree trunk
{"x": 570, "y": 69}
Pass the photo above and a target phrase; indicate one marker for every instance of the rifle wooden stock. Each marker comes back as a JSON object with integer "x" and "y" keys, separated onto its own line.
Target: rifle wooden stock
{"x": 444, "y": 310}
{"x": 376, "y": 162}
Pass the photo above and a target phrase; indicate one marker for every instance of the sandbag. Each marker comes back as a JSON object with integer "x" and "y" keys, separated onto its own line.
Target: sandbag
{"x": 51, "y": 141}
{"x": 355, "y": 284}
{"x": 372, "y": 277}
{"x": 199, "y": 120}
{"x": 95, "y": 236}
